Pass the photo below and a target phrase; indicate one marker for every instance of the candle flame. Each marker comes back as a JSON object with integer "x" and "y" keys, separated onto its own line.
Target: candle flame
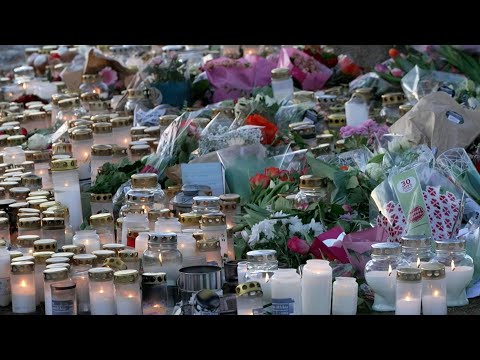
{"x": 66, "y": 184}
{"x": 452, "y": 265}
{"x": 418, "y": 262}
{"x": 267, "y": 278}
{"x": 436, "y": 293}
{"x": 407, "y": 298}
{"x": 156, "y": 306}
{"x": 130, "y": 296}
{"x": 389, "y": 270}
{"x": 101, "y": 291}
{"x": 23, "y": 284}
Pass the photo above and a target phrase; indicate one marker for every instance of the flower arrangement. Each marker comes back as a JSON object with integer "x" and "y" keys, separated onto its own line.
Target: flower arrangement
{"x": 166, "y": 70}
{"x": 111, "y": 79}
{"x": 362, "y": 135}
{"x": 319, "y": 53}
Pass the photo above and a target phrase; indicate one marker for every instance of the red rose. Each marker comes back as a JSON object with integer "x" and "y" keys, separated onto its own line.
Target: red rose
{"x": 347, "y": 66}
{"x": 298, "y": 246}
{"x": 283, "y": 175}
{"x": 148, "y": 169}
{"x": 272, "y": 172}
{"x": 260, "y": 180}
{"x": 269, "y": 129}
{"x": 344, "y": 167}
{"x": 393, "y": 53}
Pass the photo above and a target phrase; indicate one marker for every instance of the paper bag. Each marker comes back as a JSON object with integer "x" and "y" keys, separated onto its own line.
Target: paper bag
{"x": 440, "y": 122}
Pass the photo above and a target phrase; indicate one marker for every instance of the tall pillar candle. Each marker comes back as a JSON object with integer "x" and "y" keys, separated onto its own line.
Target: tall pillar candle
{"x": 101, "y": 291}
{"x": 345, "y": 296}
{"x": 286, "y": 292}
{"x": 316, "y": 287}
{"x": 22, "y": 279}
{"x": 82, "y": 141}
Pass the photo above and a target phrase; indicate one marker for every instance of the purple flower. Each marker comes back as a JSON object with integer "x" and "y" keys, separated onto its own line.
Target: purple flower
{"x": 109, "y": 76}
{"x": 381, "y": 68}
{"x": 397, "y": 72}
{"x": 347, "y": 131}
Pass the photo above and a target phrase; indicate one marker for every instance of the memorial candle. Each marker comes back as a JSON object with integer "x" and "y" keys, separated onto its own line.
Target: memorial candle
{"x": 22, "y": 281}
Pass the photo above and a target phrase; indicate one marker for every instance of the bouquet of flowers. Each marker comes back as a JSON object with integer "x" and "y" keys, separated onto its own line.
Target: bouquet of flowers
{"x": 365, "y": 134}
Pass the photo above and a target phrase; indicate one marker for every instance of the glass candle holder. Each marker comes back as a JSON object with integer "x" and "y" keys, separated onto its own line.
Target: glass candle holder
{"x": 214, "y": 228}
{"x": 458, "y": 269}
{"x": 101, "y": 203}
{"x": 210, "y": 250}
{"x": 82, "y": 142}
{"x": 128, "y": 297}
{"x": 260, "y": 267}
{"x": 5, "y": 290}
{"x": 103, "y": 224}
{"x": 30, "y": 226}
{"x": 316, "y": 287}
{"x": 42, "y": 167}
{"x": 93, "y": 83}
{"x": 70, "y": 109}
{"x": 380, "y": 274}
{"x": 230, "y": 206}
{"x": 81, "y": 264}
{"x": 241, "y": 271}
{"x": 168, "y": 224}
{"x": 155, "y": 294}
{"x": 102, "y": 255}
{"x": 345, "y": 296}
{"x": 286, "y": 292}
{"x": 87, "y": 238}
{"x": 312, "y": 190}
{"x": 19, "y": 193}
{"x": 137, "y": 152}
{"x": 67, "y": 189}
{"x": 54, "y": 228}
{"x": 249, "y": 298}
{"x": 114, "y": 247}
{"x": 64, "y": 300}
{"x": 13, "y": 155}
{"x": 190, "y": 220}
{"x": 121, "y": 130}
{"x": 133, "y": 221}
{"x": 32, "y": 182}
{"x": 130, "y": 258}
{"x": 101, "y": 154}
{"x": 149, "y": 182}
{"x": 35, "y": 120}
{"x": 86, "y": 98}
{"x": 101, "y": 291}
{"x": 5, "y": 230}
{"x": 52, "y": 276}
{"x": 154, "y": 214}
{"x": 282, "y": 85}
{"x": 22, "y": 280}
{"x": 76, "y": 249}
{"x": 40, "y": 260}
{"x": 96, "y": 108}
{"x": 45, "y": 245}
{"x": 187, "y": 246}
{"x": 408, "y": 292}
{"x": 417, "y": 249}
{"x": 102, "y": 133}
{"x": 25, "y": 243}
{"x": 205, "y": 204}
{"x": 119, "y": 153}
{"x": 434, "y": 289}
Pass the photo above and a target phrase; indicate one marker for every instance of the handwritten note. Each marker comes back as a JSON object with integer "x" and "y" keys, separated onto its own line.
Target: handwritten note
{"x": 210, "y": 174}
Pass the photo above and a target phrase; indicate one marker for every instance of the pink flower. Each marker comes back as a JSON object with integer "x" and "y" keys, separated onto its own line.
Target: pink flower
{"x": 148, "y": 169}
{"x": 381, "y": 68}
{"x": 347, "y": 208}
{"x": 119, "y": 85}
{"x": 298, "y": 246}
{"x": 397, "y": 72}
{"x": 109, "y": 76}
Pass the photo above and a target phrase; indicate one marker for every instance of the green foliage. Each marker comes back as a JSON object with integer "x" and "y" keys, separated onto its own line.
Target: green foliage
{"x": 112, "y": 176}
{"x": 173, "y": 71}
{"x": 464, "y": 62}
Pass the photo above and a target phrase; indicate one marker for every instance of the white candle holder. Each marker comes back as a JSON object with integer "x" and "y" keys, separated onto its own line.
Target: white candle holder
{"x": 130, "y": 258}
{"x": 52, "y": 276}
{"x": 101, "y": 203}
{"x": 121, "y": 130}
{"x": 67, "y": 188}
{"x": 5, "y": 293}
{"x": 87, "y": 238}
{"x": 249, "y": 298}
{"x": 286, "y": 292}
{"x": 82, "y": 141}
{"x": 214, "y": 228}
{"x": 103, "y": 224}
{"x": 434, "y": 291}
{"x": 408, "y": 291}
{"x": 40, "y": 259}
{"x": 101, "y": 291}
{"x": 102, "y": 133}
{"x": 101, "y": 154}
{"x": 316, "y": 287}
{"x": 345, "y": 296}
{"x": 22, "y": 280}
{"x": 128, "y": 297}
{"x": 81, "y": 264}
{"x": 13, "y": 155}
{"x": 260, "y": 267}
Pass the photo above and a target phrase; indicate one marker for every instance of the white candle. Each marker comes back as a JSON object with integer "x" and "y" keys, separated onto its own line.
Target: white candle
{"x": 241, "y": 271}
{"x": 23, "y": 292}
{"x": 458, "y": 278}
{"x": 128, "y": 297}
{"x": 5, "y": 293}
{"x": 316, "y": 288}
{"x": 102, "y": 300}
{"x": 83, "y": 297}
{"x": 434, "y": 305}
{"x": 129, "y": 304}
{"x": 286, "y": 292}
{"x": 141, "y": 243}
{"x": 168, "y": 225}
{"x": 345, "y": 296}
{"x": 408, "y": 306}
{"x": 87, "y": 238}
{"x": 383, "y": 283}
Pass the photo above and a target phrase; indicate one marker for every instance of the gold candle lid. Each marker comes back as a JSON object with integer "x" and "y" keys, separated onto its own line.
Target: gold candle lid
{"x": 31, "y": 180}
{"x": 89, "y": 96}
{"x": 66, "y": 254}
{"x": 213, "y": 219}
{"x": 404, "y": 108}
{"x": 76, "y": 249}
{"x": 128, "y": 255}
{"x": 58, "y": 265}
{"x": 456, "y": 245}
{"x": 386, "y": 249}
{"x": 60, "y": 148}
{"x": 48, "y": 204}
{"x": 98, "y": 106}
{"x": 122, "y": 121}
{"x": 102, "y": 128}
{"x": 64, "y": 164}
{"x": 56, "y": 260}
{"x": 28, "y": 165}
{"x": 140, "y": 150}
{"x": 100, "y": 198}
{"x": 409, "y": 274}
{"x": 81, "y": 124}
{"x": 190, "y": 219}
{"x": 102, "y": 118}
{"x": 16, "y": 140}
{"x": 206, "y": 245}
{"x": 81, "y": 134}
{"x": 53, "y": 223}
{"x": 324, "y": 139}
{"x": 35, "y": 115}
{"x": 69, "y": 103}
{"x": 57, "y": 97}
{"x": 23, "y": 258}
{"x": 102, "y": 150}
{"x": 166, "y": 120}
{"x": 280, "y": 73}
{"x": 119, "y": 151}
{"x": 114, "y": 247}
{"x": 247, "y": 288}
{"x": 23, "y": 267}
{"x": 336, "y": 120}
{"x": 155, "y": 214}
{"x": 36, "y": 204}
{"x": 230, "y": 198}
{"x": 55, "y": 274}
{"x": 153, "y": 131}
{"x": 102, "y": 255}
{"x": 154, "y": 278}
{"x": 30, "y": 223}
{"x": 100, "y": 274}
{"x": 101, "y": 219}
{"x": 84, "y": 259}
{"x": 145, "y": 180}
{"x": 393, "y": 98}
{"x": 19, "y": 193}
{"x": 45, "y": 245}
{"x": 90, "y": 77}
{"x": 17, "y": 205}
{"x": 42, "y": 256}
{"x": 15, "y": 254}
{"x": 39, "y": 193}
{"x": 125, "y": 276}
{"x": 432, "y": 271}
{"x": 115, "y": 264}
{"x": 137, "y": 130}
{"x": 310, "y": 182}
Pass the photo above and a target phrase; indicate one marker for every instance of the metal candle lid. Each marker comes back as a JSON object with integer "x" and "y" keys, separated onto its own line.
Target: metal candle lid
{"x": 22, "y": 267}
{"x": 57, "y": 266}
{"x": 32, "y": 223}
{"x": 280, "y": 73}
{"x": 166, "y": 120}
{"x": 45, "y": 245}
{"x": 56, "y": 260}
{"x": 114, "y": 247}
{"x": 84, "y": 259}
{"x": 409, "y": 274}
{"x": 55, "y": 274}
{"x": 456, "y": 245}
{"x": 230, "y": 198}
{"x": 310, "y": 182}
{"x": 154, "y": 278}
{"x": 145, "y": 181}
{"x": 41, "y": 256}
{"x": 190, "y": 219}
{"x": 204, "y": 245}
{"x": 102, "y": 128}
{"x": 100, "y": 118}
{"x": 24, "y": 258}
{"x": 386, "y": 248}
{"x": 128, "y": 255}
{"x": 76, "y": 249}
{"x": 100, "y": 274}
{"x": 53, "y": 223}
{"x": 155, "y": 214}
{"x": 100, "y": 197}
{"x": 15, "y": 254}
{"x": 433, "y": 271}
{"x": 248, "y": 288}
{"x": 123, "y": 121}
{"x": 125, "y": 276}
{"x": 57, "y": 149}
{"x": 102, "y": 255}
{"x": 89, "y": 96}
{"x": 102, "y": 150}
{"x": 393, "y": 98}
{"x": 101, "y": 219}
{"x": 162, "y": 238}
{"x": 140, "y": 149}
{"x": 213, "y": 219}
{"x": 27, "y": 241}
{"x": 31, "y": 180}
{"x": 140, "y": 196}
{"x": 64, "y": 285}
{"x": 66, "y": 254}
{"x": 208, "y": 201}
{"x": 261, "y": 256}
{"x": 416, "y": 241}
{"x": 64, "y": 164}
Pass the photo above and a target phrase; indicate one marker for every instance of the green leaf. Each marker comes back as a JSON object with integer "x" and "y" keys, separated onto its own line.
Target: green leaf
{"x": 377, "y": 159}
{"x": 281, "y": 204}
{"x": 352, "y": 182}
{"x": 321, "y": 168}
{"x": 239, "y": 247}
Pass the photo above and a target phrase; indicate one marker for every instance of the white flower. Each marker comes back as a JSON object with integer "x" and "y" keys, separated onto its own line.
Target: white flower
{"x": 398, "y": 144}
{"x": 261, "y": 232}
{"x": 374, "y": 171}
{"x": 316, "y": 227}
{"x": 297, "y": 228}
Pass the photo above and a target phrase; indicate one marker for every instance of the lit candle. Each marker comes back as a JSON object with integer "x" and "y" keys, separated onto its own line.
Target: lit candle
{"x": 101, "y": 291}
{"x": 82, "y": 141}
{"x": 434, "y": 298}
{"x": 383, "y": 283}
{"x": 249, "y": 298}
{"x": 154, "y": 294}
{"x": 141, "y": 243}
{"x": 5, "y": 293}
{"x": 22, "y": 281}
{"x": 458, "y": 277}
{"x": 127, "y": 292}
{"x": 408, "y": 291}
{"x": 345, "y": 296}
{"x": 87, "y": 238}
{"x": 316, "y": 287}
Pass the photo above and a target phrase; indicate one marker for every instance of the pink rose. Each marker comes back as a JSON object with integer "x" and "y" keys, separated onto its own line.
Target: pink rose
{"x": 298, "y": 246}
{"x": 109, "y": 76}
{"x": 381, "y": 68}
{"x": 397, "y": 72}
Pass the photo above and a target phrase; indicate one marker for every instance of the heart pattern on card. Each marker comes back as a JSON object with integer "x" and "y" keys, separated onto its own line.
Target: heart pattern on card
{"x": 442, "y": 209}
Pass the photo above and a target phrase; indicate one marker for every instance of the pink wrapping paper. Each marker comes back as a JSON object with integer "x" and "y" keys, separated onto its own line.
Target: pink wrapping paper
{"x": 333, "y": 252}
